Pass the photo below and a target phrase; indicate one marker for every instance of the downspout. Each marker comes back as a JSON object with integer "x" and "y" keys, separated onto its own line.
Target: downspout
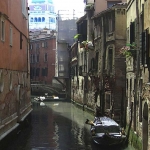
{"x": 137, "y": 65}
{"x": 103, "y": 67}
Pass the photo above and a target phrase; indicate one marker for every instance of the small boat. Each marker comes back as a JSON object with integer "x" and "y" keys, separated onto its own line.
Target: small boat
{"x": 42, "y": 104}
{"x": 42, "y": 98}
{"x": 105, "y": 131}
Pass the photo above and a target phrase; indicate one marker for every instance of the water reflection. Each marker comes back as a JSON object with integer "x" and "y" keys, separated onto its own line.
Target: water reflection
{"x": 57, "y": 126}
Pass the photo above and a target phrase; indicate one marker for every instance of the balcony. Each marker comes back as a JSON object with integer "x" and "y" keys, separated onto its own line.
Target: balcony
{"x": 110, "y": 36}
{"x": 84, "y": 74}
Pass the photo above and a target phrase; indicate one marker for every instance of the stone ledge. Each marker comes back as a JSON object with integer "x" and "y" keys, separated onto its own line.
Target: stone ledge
{"x": 8, "y": 131}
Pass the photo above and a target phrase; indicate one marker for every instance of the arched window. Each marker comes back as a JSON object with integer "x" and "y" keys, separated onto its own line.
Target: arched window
{"x": 35, "y": 19}
{"x": 43, "y": 19}
{"x": 39, "y": 19}
{"x": 31, "y": 19}
{"x": 53, "y": 20}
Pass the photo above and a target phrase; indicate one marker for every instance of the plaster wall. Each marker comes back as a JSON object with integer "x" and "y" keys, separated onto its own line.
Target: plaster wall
{"x": 15, "y": 101}
{"x": 101, "y": 5}
{"x": 146, "y": 14}
{"x": 131, "y": 13}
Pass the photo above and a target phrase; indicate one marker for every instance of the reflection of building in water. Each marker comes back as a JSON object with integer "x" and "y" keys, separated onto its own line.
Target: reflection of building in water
{"x": 42, "y": 15}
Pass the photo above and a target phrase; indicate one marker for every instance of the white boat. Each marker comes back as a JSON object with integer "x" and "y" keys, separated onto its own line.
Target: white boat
{"x": 42, "y": 104}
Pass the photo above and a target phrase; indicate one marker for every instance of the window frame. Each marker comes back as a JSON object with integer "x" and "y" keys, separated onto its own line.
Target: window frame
{"x": 11, "y": 36}
{"x": 24, "y": 8}
{"x": 45, "y": 57}
{"x": 2, "y": 29}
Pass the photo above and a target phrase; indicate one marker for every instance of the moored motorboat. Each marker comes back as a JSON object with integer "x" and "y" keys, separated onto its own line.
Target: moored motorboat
{"x": 105, "y": 131}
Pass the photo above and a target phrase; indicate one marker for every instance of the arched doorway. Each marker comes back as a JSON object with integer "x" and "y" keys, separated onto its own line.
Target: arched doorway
{"x": 145, "y": 127}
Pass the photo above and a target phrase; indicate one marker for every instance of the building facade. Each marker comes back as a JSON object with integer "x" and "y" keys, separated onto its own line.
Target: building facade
{"x": 109, "y": 38}
{"x": 137, "y": 71}
{"x": 42, "y": 15}
{"x": 15, "y": 102}
{"x": 42, "y": 58}
{"x": 94, "y": 74}
{"x": 100, "y": 5}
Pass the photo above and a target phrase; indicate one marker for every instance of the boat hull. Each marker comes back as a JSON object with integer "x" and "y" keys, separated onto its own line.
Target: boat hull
{"x": 109, "y": 140}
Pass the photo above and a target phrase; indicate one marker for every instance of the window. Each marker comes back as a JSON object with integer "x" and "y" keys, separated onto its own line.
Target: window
{"x": 92, "y": 63}
{"x": 37, "y": 46}
{"x": 39, "y": 19}
{"x": 51, "y": 9}
{"x": 43, "y": 19}
{"x": 108, "y": 101}
{"x": 110, "y": 60}
{"x": 21, "y": 40}
{"x": 98, "y": 30}
{"x": 31, "y": 19}
{"x": 80, "y": 71}
{"x": 128, "y": 35}
{"x": 33, "y": 58}
{"x": 44, "y": 71}
{"x": 96, "y": 61}
{"x": 110, "y": 25}
{"x": 24, "y": 8}
{"x": 42, "y": 44}
{"x": 37, "y": 71}
{"x": 11, "y": 36}
{"x": 2, "y": 30}
{"x": 145, "y": 48}
{"x": 31, "y": 46}
{"x": 31, "y": 73}
{"x": 35, "y": 19}
{"x": 37, "y": 57}
{"x": 61, "y": 58}
{"x": 45, "y": 57}
{"x": 132, "y": 32}
{"x": 61, "y": 67}
{"x": 95, "y": 32}
{"x": 82, "y": 85}
{"x": 45, "y": 44}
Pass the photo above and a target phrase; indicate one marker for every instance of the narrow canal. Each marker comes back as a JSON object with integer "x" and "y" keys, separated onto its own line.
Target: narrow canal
{"x": 56, "y": 126}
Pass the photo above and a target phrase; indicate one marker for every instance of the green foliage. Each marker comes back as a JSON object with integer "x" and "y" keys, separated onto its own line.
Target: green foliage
{"x": 135, "y": 140}
{"x": 128, "y": 50}
{"x": 77, "y": 36}
{"x": 132, "y": 46}
{"x": 127, "y": 53}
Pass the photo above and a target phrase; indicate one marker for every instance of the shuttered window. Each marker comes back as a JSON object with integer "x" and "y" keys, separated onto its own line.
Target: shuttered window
{"x": 132, "y": 32}
{"x": 21, "y": 40}
{"x": 145, "y": 38}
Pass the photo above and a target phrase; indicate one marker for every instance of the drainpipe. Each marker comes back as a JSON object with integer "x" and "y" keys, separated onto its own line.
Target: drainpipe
{"x": 137, "y": 65}
{"x": 103, "y": 68}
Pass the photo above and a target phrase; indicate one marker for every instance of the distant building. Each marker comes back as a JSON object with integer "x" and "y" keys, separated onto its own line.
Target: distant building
{"x": 42, "y": 15}
{"x": 42, "y": 57}
{"x": 64, "y": 39}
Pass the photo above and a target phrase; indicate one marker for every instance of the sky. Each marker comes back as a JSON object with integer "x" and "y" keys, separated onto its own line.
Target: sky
{"x": 76, "y": 5}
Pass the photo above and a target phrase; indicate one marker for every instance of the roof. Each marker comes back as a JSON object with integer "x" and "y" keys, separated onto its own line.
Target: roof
{"x": 82, "y": 18}
{"x": 118, "y": 5}
{"x": 105, "y": 121}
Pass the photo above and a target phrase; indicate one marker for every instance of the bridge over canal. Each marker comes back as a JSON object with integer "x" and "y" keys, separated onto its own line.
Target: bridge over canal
{"x": 49, "y": 90}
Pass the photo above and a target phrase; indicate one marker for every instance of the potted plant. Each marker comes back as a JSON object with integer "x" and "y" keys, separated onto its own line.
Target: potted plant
{"x": 129, "y": 50}
{"x": 88, "y": 45}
